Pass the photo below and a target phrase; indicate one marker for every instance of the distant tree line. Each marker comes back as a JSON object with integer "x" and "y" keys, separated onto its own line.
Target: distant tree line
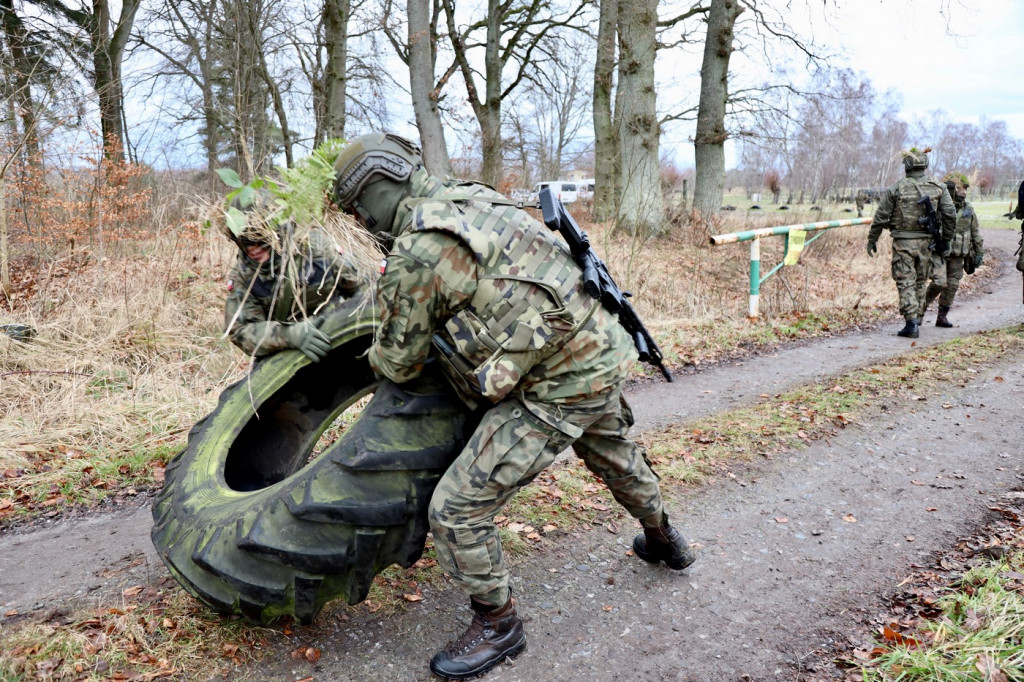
{"x": 510, "y": 91}
{"x": 843, "y": 135}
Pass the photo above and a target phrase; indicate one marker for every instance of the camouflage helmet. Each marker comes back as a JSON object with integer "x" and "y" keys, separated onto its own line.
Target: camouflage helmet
{"x": 957, "y": 184}
{"x": 252, "y": 217}
{"x": 915, "y": 159}
{"x": 372, "y": 176}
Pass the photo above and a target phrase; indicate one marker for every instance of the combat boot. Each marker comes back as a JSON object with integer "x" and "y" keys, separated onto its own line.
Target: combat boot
{"x": 664, "y": 543}
{"x": 941, "y": 320}
{"x": 911, "y": 329}
{"x": 495, "y": 634}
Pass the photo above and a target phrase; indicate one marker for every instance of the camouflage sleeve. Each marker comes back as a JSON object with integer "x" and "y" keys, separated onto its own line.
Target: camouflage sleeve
{"x": 246, "y": 323}
{"x": 883, "y": 214}
{"x": 427, "y": 275}
{"x": 976, "y": 238}
{"x": 947, "y": 215}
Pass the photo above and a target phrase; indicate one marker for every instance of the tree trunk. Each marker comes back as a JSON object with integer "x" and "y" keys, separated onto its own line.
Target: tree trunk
{"x": 641, "y": 206}
{"x": 23, "y": 69}
{"x": 108, "y": 51}
{"x": 336, "y": 16}
{"x": 606, "y": 138}
{"x": 425, "y": 95}
{"x": 489, "y": 112}
{"x": 275, "y": 98}
{"x": 5, "y": 257}
{"x": 710, "y": 137}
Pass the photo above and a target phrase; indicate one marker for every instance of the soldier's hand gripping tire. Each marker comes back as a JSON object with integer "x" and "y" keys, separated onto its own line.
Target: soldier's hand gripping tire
{"x": 248, "y": 525}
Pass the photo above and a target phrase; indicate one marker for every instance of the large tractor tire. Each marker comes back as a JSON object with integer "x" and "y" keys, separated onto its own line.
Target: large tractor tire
{"x": 249, "y": 524}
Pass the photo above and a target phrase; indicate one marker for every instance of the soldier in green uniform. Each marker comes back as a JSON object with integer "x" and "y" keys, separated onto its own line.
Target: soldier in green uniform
{"x": 280, "y": 286}
{"x": 898, "y": 211}
{"x": 491, "y": 294}
{"x": 1018, "y": 214}
{"x": 967, "y": 244}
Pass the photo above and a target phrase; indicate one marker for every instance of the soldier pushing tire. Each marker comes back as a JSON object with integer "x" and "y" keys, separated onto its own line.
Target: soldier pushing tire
{"x": 250, "y": 524}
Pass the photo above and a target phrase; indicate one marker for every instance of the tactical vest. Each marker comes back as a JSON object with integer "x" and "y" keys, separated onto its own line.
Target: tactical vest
{"x": 529, "y": 299}
{"x": 960, "y": 245}
{"x": 906, "y": 210}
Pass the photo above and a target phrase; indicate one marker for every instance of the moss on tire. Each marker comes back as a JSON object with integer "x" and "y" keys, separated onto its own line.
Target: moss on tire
{"x": 248, "y": 525}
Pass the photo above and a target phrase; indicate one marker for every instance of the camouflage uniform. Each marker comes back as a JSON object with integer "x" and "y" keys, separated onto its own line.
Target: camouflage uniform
{"x": 947, "y": 272}
{"x": 262, "y": 302}
{"x": 1020, "y": 250}
{"x": 496, "y": 298}
{"x": 898, "y": 212}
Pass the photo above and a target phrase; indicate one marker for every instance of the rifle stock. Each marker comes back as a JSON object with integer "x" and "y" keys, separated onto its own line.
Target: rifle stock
{"x": 598, "y": 282}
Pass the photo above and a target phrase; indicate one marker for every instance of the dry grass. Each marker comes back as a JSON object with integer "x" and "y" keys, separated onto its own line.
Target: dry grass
{"x": 128, "y": 355}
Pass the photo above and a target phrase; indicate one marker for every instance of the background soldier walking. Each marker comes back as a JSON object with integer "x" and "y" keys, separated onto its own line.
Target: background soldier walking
{"x": 902, "y": 210}
{"x": 966, "y": 252}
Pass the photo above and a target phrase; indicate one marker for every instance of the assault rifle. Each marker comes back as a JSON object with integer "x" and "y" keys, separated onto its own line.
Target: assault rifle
{"x": 931, "y": 222}
{"x": 598, "y": 282}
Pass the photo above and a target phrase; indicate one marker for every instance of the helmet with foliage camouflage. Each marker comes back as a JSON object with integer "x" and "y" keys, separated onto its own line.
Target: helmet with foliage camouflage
{"x": 915, "y": 159}
{"x": 372, "y": 177}
{"x": 957, "y": 185}
{"x": 251, "y": 217}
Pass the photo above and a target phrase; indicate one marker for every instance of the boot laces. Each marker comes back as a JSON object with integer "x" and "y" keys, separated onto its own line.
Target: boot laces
{"x": 474, "y": 635}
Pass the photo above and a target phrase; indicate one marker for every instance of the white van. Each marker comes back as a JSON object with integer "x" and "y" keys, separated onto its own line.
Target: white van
{"x": 585, "y": 188}
{"x": 563, "y": 190}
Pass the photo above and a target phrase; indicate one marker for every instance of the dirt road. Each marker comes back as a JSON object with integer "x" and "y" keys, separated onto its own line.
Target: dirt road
{"x": 794, "y": 550}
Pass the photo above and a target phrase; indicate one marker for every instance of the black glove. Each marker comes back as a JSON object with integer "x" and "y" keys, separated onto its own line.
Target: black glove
{"x": 977, "y": 260}
{"x": 872, "y": 249}
{"x": 305, "y": 337}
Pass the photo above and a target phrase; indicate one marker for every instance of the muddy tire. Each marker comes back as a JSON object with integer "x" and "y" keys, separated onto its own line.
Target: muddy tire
{"x": 248, "y": 525}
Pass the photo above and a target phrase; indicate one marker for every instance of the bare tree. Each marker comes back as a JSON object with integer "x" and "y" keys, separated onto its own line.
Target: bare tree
{"x": 606, "y": 137}
{"x": 641, "y": 200}
{"x": 514, "y": 35}
{"x": 557, "y": 108}
{"x": 187, "y": 39}
{"x": 26, "y": 63}
{"x": 417, "y": 48}
{"x": 710, "y": 137}
{"x": 336, "y": 14}
{"x": 106, "y": 41}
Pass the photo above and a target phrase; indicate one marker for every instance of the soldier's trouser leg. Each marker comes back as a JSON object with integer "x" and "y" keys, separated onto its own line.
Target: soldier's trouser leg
{"x": 911, "y": 263}
{"x": 938, "y": 281}
{"x": 608, "y": 452}
{"x": 507, "y": 451}
{"x": 954, "y": 273}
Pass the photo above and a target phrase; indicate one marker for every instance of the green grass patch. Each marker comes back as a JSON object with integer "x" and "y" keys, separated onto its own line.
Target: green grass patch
{"x": 978, "y": 633}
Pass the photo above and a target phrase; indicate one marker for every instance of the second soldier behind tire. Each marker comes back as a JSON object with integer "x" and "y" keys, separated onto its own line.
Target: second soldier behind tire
{"x": 966, "y": 252}
{"x": 496, "y": 298}
{"x": 900, "y": 212}
{"x": 280, "y": 286}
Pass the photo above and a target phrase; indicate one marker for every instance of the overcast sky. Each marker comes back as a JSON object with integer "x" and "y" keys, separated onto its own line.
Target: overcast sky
{"x": 963, "y": 56}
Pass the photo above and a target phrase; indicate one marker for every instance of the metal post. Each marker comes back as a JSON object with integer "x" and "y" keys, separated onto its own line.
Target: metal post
{"x": 754, "y": 237}
{"x": 755, "y": 276}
